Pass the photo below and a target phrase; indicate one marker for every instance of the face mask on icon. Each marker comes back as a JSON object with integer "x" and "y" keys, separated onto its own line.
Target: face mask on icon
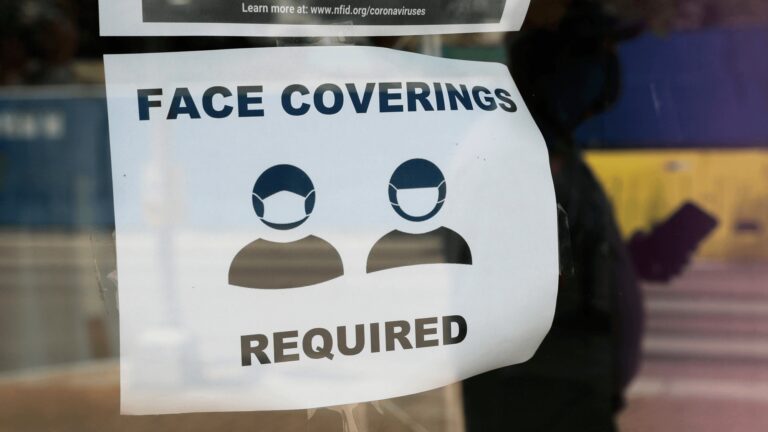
{"x": 417, "y": 202}
{"x": 284, "y": 208}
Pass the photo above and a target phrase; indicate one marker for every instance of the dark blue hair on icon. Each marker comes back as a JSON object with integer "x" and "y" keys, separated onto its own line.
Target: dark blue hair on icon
{"x": 416, "y": 174}
{"x": 283, "y": 178}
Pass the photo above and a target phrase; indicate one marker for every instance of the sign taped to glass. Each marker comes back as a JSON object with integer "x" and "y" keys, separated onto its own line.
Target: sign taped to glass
{"x": 307, "y": 17}
{"x": 306, "y": 227}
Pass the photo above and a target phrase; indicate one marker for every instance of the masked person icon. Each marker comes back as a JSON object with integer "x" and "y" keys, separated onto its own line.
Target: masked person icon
{"x": 283, "y": 198}
{"x": 417, "y": 192}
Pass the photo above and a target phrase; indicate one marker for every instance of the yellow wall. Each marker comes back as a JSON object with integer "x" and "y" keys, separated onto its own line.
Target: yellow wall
{"x": 646, "y": 186}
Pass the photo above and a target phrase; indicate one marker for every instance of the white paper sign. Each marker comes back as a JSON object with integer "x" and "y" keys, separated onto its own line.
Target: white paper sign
{"x": 307, "y": 17}
{"x": 306, "y": 227}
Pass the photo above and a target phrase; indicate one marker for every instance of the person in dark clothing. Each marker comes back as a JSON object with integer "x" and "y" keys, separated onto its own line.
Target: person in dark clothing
{"x": 568, "y": 71}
